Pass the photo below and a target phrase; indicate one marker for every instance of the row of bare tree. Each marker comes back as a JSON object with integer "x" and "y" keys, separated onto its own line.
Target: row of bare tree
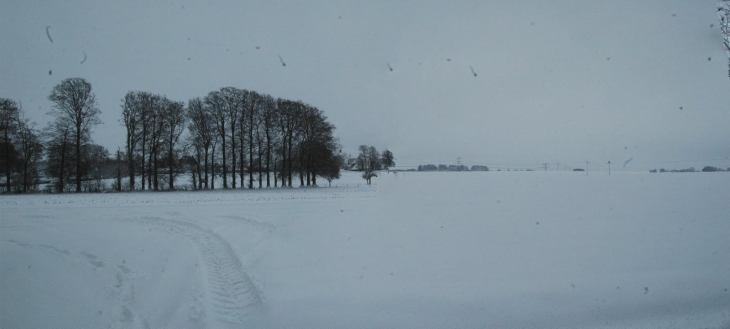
{"x": 65, "y": 142}
{"x": 232, "y": 133}
{"x": 154, "y": 125}
{"x": 20, "y": 147}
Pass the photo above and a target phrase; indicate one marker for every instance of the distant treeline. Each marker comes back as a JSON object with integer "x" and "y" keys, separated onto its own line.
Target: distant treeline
{"x": 441, "y": 167}
{"x": 691, "y": 169}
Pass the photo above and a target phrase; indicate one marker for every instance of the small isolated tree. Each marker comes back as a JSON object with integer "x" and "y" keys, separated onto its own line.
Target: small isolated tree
{"x": 368, "y": 175}
{"x": 75, "y": 103}
{"x": 386, "y": 159}
{"x": 710, "y": 169}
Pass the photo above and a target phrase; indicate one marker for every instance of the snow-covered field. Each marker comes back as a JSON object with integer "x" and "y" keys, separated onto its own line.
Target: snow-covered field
{"x": 416, "y": 250}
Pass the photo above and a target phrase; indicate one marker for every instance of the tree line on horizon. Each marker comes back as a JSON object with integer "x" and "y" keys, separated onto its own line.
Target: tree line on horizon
{"x": 235, "y": 134}
{"x": 442, "y": 167}
{"x": 691, "y": 169}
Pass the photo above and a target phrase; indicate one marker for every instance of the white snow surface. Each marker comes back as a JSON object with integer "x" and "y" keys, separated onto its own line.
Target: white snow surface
{"x": 414, "y": 250}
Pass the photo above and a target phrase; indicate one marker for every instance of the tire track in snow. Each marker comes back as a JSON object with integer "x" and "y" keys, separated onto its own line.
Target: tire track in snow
{"x": 230, "y": 292}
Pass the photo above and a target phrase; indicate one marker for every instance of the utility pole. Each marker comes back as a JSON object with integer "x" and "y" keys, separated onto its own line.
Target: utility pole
{"x": 587, "y": 168}
{"x": 458, "y": 164}
{"x": 609, "y": 168}
{"x": 544, "y": 165}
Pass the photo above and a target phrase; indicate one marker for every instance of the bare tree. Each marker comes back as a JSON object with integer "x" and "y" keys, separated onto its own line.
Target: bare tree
{"x": 368, "y": 161}
{"x": 135, "y": 107}
{"x": 327, "y": 160}
{"x": 202, "y": 133}
{"x": 118, "y": 181}
{"x": 157, "y": 132}
{"x": 58, "y": 137}
{"x": 216, "y": 103}
{"x": 269, "y": 127}
{"x": 374, "y": 158}
{"x": 386, "y": 159}
{"x": 96, "y": 157}
{"x": 9, "y": 120}
{"x": 30, "y": 152}
{"x": 316, "y": 143}
{"x": 233, "y": 101}
{"x": 368, "y": 176}
{"x": 289, "y": 122}
{"x": 363, "y": 158}
{"x": 252, "y": 120}
{"x": 173, "y": 113}
{"x": 332, "y": 166}
{"x": 75, "y": 102}
{"x": 147, "y": 105}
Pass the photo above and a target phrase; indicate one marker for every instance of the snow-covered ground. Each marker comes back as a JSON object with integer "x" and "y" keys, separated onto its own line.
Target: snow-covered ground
{"x": 415, "y": 250}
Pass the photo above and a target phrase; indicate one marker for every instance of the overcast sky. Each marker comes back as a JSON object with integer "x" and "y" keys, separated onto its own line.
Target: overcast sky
{"x": 557, "y": 81}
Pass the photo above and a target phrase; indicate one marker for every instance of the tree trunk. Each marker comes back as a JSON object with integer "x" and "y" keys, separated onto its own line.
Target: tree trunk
{"x": 233, "y": 154}
{"x": 62, "y": 170}
{"x": 119, "y": 172}
{"x": 223, "y": 149}
{"x": 130, "y": 158}
{"x": 144, "y": 148}
{"x": 291, "y": 137}
{"x": 206, "y": 168}
{"x": 155, "y": 171}
{"x": 78, "y": 159}
{"x": 309, "y": 169}
{"x": 301, "y": 166}
{"x": 261, "y": 172}
{"x": 149, "y": 169}
{"x": 25, "y": 176}
{"x": 275, "y": 181}
{"x": 7, "y": 162}
{"x": 197, "y": 169}
{"x": 170, "y": 160}
{"x": 212, "y": 168}
{"x": 283, "y": 160}
{"x": 241, "y": 151}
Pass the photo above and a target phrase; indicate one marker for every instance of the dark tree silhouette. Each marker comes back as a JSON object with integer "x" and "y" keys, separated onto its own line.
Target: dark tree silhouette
{"x": 386, "y": 159}
{"x": 202, "y": 133}
{"x": 75, "y": 102}
{"x": 135, "y": 108}
{"x": 9, "y": 122}
{"x": 30, "y": 151}
{"x": 58, "y": 141}
{"x": 173, "y": 113}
